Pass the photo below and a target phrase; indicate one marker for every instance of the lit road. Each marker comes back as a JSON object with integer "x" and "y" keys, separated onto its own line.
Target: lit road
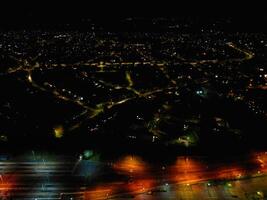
{"x": 186, "y": 178}
{"x": 241, "y": 189}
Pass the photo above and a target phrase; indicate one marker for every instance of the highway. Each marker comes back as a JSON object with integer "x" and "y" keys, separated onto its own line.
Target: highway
{"x": 133, "y": 177}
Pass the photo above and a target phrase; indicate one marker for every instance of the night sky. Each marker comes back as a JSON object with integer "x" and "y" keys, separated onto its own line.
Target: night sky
{"x": 26, "y": 13}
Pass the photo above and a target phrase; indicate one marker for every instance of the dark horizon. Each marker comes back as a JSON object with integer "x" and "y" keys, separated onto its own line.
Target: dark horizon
{"x": 15, "y": 13}
{"x": 48, "y": 15}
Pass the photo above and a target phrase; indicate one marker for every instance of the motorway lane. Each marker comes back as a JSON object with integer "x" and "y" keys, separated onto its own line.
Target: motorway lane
{"x": 245, "y": 189}
{"x": 126, "y": 176}
{"x": 41, "y": 179}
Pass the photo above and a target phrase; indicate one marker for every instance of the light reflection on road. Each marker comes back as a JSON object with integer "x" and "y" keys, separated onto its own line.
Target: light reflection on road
{"x": 185, "y": 172}
{"x": 127, "y": 176}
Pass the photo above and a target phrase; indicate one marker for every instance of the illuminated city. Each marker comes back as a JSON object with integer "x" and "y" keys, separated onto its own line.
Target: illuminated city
{"x": 145, "y": 108}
